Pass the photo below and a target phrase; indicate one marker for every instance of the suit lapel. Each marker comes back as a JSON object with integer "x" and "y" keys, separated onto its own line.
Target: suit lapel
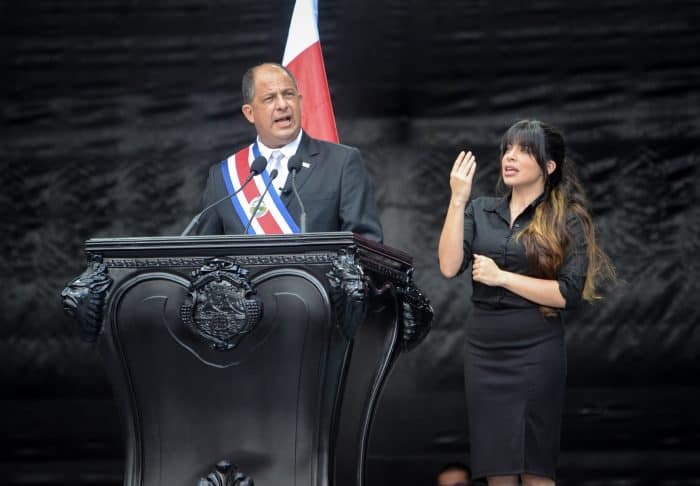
{"x": 309, "y": 151}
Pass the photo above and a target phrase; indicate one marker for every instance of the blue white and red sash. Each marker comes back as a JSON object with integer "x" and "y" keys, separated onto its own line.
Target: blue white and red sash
{"x": 272, "y": 216}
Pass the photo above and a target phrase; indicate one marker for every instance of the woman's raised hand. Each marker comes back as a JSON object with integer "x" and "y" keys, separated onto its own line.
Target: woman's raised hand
{"x": 461, "y": 177}
{"x": 451, "y": 245}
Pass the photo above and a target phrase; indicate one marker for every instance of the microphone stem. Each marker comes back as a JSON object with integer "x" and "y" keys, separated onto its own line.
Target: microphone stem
{"x": 195, "y": 220}
{"x": 192, "y": 224}
{"x": 302, "y": 218}
{"x": 260, "y": 200}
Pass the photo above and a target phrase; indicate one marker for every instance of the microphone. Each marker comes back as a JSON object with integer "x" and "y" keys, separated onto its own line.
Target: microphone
{"x": 294, "y": 166}
{"x": 256, "y": 168}
{"x": 273, "y": 174}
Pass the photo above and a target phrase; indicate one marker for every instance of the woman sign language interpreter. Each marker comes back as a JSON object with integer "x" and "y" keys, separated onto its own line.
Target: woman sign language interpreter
{"x": 533, "y": 253}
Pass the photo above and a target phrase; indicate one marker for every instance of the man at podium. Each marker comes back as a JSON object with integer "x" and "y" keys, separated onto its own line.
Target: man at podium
{"x": 307, "y": 185}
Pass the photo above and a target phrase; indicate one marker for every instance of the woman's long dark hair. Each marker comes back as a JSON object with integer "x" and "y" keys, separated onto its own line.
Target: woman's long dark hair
{"x": 546, "y": 238}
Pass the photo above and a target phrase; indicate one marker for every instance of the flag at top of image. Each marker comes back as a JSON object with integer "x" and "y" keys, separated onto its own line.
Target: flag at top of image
{"x": 302, "y": 56}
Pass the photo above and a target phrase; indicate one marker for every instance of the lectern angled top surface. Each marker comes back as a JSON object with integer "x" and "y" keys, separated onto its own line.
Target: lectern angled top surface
{"x": 239, "y": 244}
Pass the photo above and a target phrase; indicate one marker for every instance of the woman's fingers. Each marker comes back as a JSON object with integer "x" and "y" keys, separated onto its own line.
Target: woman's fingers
{"x": 461, "y": 177}
{"x": 459, "y": 161}
{"x": 471, "y": 164}
{"x": 464, "y": 164}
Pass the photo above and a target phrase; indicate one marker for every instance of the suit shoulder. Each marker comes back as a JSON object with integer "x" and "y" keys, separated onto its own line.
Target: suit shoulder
{"x": 335, "y": 148}
{"x": 215, "y": 169}
{"x": 348, "y": 148}
{"x": 336, "y": 157}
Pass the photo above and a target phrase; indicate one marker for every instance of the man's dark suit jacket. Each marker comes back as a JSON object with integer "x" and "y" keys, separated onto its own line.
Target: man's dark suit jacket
{"x": 334, "y": 188}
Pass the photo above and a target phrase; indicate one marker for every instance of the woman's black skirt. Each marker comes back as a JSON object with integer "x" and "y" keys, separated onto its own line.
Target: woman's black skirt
{"x": 515, "y": 374}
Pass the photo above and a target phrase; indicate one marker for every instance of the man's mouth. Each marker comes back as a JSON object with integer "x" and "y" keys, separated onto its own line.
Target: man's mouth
{"x": 285, "y": 120}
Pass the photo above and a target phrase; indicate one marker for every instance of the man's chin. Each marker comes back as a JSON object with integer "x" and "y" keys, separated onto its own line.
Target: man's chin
{"x": 286, "y": 134}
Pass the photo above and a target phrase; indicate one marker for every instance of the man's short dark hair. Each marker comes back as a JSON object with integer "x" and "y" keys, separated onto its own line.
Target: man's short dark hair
{"x": 248, "y": 81}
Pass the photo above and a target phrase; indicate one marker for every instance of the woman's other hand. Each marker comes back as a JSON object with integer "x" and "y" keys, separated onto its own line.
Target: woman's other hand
{"x": 486, "y": 271}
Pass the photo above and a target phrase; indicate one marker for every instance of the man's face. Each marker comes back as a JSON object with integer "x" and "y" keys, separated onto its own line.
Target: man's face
{"x": 453, "y": 478}
{"x": 276, "y": 107}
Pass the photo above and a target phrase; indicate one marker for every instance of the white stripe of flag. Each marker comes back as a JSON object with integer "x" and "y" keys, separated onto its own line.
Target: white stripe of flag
{"x": 303, "y": 57}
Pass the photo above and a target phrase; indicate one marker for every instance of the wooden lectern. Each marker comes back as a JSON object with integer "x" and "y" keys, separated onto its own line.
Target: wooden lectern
{"x": 247, "y": 358}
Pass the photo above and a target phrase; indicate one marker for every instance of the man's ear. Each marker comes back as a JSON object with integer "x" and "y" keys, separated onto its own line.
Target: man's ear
{"x": 551, "y": 166}
{"x": 248, "y": 113}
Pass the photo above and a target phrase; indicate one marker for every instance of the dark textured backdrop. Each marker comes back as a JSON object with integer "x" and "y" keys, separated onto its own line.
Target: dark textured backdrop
{"x": 112, "y": 112}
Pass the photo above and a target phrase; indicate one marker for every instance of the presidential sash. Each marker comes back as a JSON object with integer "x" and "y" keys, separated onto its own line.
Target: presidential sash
{"x": 272, "y": 217}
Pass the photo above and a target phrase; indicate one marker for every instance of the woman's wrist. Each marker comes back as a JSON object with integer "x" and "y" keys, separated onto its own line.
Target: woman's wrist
{"x": 459, "y": 202}
{"x": 503, "y": 278}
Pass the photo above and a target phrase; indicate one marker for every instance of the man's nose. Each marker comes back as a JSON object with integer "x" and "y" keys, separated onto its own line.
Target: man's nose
{"x": 281, "y": 102}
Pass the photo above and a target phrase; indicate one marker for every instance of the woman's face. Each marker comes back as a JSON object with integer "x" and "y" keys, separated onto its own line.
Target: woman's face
{"x": 519, "y": 168}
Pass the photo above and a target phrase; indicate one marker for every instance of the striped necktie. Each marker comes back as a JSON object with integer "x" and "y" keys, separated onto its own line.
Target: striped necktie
{"x": 275, "y": 162}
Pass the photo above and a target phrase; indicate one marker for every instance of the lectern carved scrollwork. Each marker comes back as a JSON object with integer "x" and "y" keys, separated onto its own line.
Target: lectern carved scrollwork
{"x": 348, "y": 292}
{"x": 84, "y": 298}
{"x": 226, "y": 474}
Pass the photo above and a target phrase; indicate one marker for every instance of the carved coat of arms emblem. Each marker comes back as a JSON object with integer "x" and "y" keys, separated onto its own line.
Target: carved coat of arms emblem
{"x": 221, "y": 307}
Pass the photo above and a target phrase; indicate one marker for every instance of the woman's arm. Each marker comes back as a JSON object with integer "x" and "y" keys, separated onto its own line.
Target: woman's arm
{"x": 451, "y": 245}
{"x": 538, "y": 290}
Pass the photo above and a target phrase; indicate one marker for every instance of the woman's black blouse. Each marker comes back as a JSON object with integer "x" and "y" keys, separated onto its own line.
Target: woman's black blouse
{"x": 487, "y": 232}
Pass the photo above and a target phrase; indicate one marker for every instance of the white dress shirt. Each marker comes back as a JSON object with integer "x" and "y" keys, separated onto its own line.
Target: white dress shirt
{"x": 287, "y": 152}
